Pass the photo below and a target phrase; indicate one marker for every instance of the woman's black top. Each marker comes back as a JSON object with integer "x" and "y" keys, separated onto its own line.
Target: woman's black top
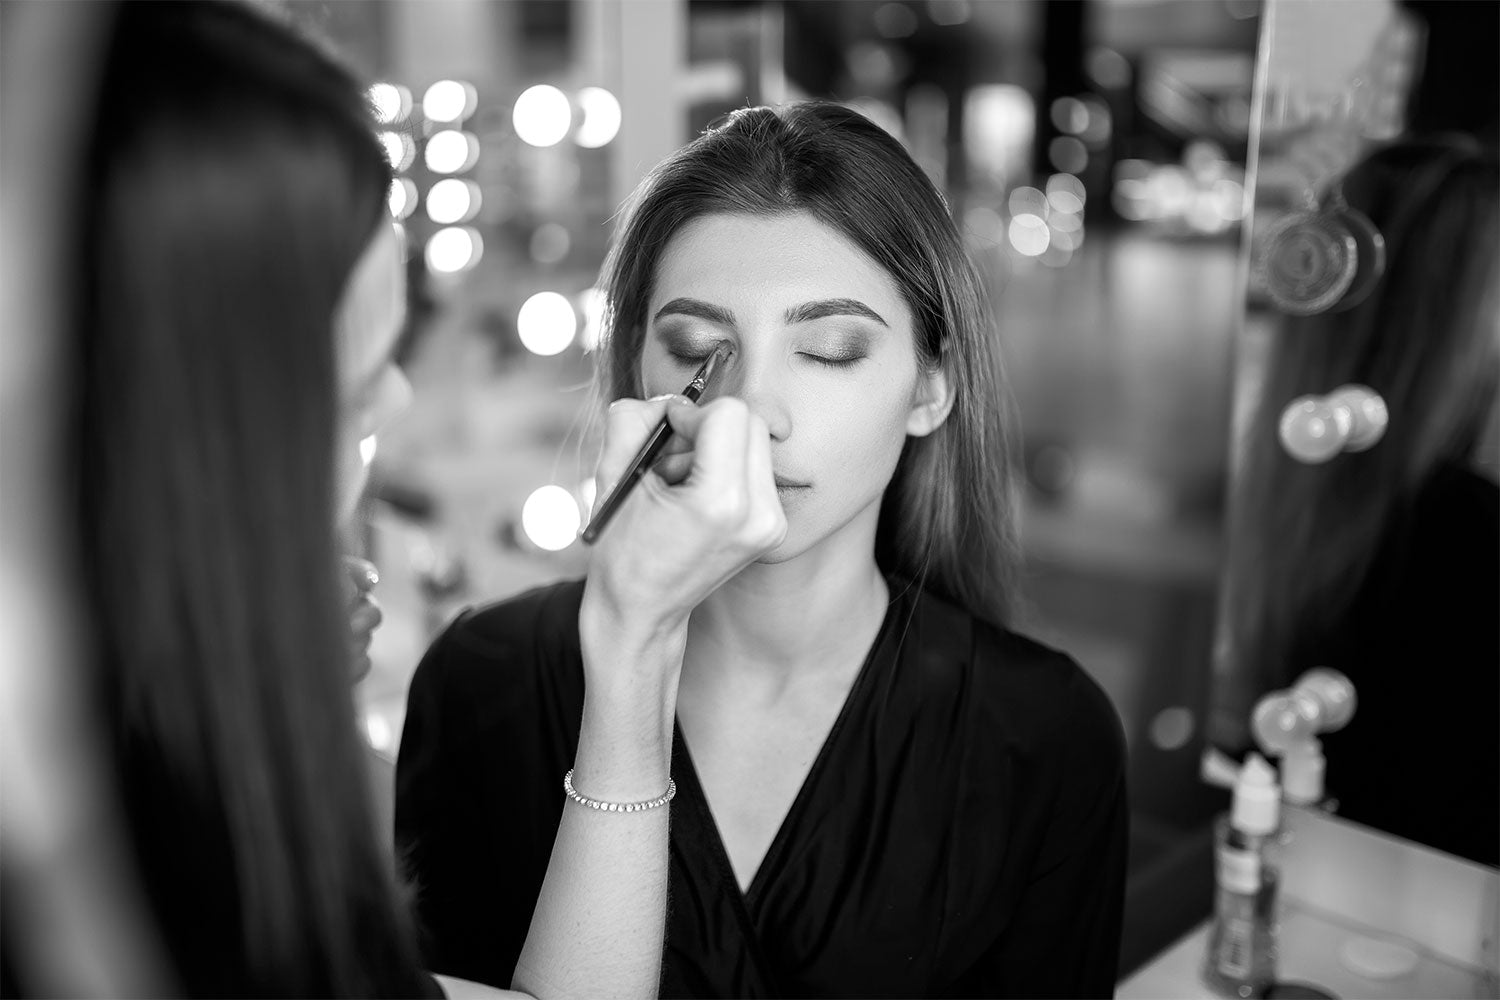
{"x": 962, "y": 831}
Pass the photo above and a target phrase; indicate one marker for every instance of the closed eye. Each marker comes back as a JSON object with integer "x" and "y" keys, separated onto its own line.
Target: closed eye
{"x": 688, "y": 359}
{"x": 833, "y": 360}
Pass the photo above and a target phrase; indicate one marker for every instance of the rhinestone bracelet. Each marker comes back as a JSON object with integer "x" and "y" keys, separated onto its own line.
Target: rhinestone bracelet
{"x": 622, "y": 807}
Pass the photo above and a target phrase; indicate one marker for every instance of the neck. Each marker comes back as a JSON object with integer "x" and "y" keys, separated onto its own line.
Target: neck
{"x": 794, "y": 618}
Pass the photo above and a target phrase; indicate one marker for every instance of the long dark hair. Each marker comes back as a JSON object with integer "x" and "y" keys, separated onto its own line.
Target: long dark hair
{"x": 948, "y": 516}
{"x": 233, "y": 181}
{"x": 1304, "y": 538}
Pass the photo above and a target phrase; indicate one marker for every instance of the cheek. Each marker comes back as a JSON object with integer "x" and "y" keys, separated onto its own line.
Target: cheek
{"x": 858, "y": 435}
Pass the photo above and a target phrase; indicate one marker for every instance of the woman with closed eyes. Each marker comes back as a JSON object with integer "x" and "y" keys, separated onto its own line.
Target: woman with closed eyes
{"x": 882, "y": 790}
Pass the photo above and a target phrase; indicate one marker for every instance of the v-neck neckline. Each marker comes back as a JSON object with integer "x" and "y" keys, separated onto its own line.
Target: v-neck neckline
{"x": 748, "y": 897}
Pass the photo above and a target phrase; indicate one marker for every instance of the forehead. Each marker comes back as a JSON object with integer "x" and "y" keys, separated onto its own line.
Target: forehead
{"x": 750, "y": 261}
{"x": 373, "y": 307}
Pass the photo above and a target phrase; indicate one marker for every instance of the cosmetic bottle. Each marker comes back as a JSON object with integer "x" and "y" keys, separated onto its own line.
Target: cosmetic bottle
{"x": 1302, "y": 767}
{"x": 1241, "y": 959}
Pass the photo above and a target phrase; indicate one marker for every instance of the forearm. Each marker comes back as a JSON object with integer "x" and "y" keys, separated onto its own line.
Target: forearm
{"x": 600, "y": 919}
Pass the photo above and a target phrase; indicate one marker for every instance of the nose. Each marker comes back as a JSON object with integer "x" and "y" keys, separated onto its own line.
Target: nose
{"x": 759, "y": 380}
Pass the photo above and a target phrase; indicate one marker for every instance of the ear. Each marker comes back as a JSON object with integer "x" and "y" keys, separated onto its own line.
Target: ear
{"x": 932, "y": 399}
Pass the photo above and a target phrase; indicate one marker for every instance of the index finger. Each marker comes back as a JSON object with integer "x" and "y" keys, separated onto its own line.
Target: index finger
{"x": 717, "y": 430}
{"x": 627, "y": 426}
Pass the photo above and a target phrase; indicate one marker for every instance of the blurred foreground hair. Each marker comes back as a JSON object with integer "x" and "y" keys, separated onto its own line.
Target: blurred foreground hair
{"x": 233, "y": 181}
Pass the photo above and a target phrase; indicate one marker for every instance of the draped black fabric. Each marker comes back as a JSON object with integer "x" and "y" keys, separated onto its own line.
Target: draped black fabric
{"x": 962, "y": 831}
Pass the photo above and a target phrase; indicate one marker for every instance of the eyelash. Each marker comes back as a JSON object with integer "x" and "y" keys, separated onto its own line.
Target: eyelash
{"x": 842, "y": 361}
{"x": 689, "y": 360}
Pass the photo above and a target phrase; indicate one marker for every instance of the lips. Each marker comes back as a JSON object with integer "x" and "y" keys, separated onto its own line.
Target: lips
{"x": 783, "y": 483}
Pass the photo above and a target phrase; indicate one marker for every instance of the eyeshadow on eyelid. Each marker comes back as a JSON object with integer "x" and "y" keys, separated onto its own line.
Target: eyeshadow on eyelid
{"x": 846, "y": 346}
{"x": 688, "y": 341}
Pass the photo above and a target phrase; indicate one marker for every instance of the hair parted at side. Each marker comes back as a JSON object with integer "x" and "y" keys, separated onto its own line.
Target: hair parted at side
{"x": 233, "y": 181}
{"x": 948, "y": 517}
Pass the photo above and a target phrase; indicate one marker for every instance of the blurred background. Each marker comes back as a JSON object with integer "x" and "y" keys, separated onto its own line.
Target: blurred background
{"x": 1094, "y": 153}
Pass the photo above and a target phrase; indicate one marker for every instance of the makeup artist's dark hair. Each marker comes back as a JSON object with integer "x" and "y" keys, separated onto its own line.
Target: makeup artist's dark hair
{"x": 233, "y": 181}
{"x": 1305, "y": 538}
{"x": 948, "y": 514}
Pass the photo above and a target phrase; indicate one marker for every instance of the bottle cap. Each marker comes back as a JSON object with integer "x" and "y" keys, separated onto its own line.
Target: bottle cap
{"x": 1257, "y": 799}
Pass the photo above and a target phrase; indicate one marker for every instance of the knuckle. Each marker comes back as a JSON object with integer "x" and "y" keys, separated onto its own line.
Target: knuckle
{"x": 726, "y": 510}
{"x": 769, "y": 530}
{"x": 729, "y": 407}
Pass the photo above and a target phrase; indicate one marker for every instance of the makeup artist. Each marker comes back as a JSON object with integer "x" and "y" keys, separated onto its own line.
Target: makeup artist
{"x": 882, "y": 790}
{"x": 238, "y": 291}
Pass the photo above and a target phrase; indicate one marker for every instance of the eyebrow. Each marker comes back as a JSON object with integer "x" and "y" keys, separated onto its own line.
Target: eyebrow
{"x": 803, "y": 313}
{"x": 698, "y": 308}
{"x": 808, "y": 311}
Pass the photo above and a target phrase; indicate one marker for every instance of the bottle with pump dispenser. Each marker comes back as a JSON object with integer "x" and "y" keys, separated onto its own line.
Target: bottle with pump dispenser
{"x": 1241, "y": 959}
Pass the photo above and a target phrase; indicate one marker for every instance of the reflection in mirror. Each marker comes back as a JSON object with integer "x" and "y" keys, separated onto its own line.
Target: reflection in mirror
{"x": 1364, "y": 507}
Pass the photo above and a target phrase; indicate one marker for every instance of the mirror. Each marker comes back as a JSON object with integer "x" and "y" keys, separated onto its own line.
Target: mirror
{"x": 1364, "y": 503}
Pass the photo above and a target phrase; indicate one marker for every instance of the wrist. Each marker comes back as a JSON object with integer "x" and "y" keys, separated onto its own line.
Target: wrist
{"x": 629, "y": 610}
{"x": 626, "y": 649}
{"x": 631, "y": 671}
{"x": 624, "y": 753}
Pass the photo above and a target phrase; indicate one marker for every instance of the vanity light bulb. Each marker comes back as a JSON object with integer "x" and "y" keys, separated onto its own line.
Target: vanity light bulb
{"x": 1322, "y": 701}
{"x": 1367, "y": 414}
{"x": 1282, "y": 720}
{"x": 1313, "y": 430}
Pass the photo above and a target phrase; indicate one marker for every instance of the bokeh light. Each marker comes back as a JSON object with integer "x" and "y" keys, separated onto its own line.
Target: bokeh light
{"x": 895, "y": 20}
{"x": 601, "y": 117}
{"x": 542, "y": 115}
{"x": 551, "y": 518}
{"x": 451, "y": 151}
{"x": 1172, "y": 728}
{"x": 1065, "y": 193}
{"x": 454, "y": 249}
{"x": 390, "y": 102}
{"x": 1229, "y": 196}
{"x": 399, "y": 149}
{"x": 449, "y": 101}
{"x": 453, "y": 200}
{"x": 1029, "y": 235}
{"x": 1099, "y": 125}
{"x": 1027, "y": 201}
{"x": 1312, "y": 430}
{"x": 402, "y": 197}
{"x": 1108, "y": 68}
{"x": 378, "y": 731}
{"x": 546, "y": 323}
{"x": 948, "y": 12}
{"x": 591, "y": 305}
{"x": 1070, "y": 115}
{"x": 1068, "y": 154}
